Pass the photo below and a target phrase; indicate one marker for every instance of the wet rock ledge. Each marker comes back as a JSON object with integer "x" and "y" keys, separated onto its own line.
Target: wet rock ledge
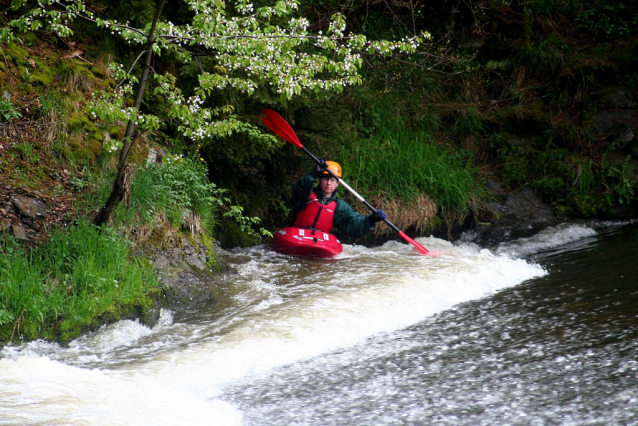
{"x": 184, "y": 274}
{"x": 517, "y": 214}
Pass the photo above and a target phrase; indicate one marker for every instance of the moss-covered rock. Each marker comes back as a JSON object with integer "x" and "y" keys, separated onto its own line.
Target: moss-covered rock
{"x": 82, "y": 122}
{"x": 116, "y": 131}
{"x": 98, "y": 72}
{"x": 29, "y": 38}
{"x": 17, "y": 53}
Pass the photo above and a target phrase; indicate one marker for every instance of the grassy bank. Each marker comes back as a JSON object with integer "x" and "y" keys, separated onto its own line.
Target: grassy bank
{"x": 82, "y": 276}
{"x": 397, "y": 165}
{"x": 79, "y": 278}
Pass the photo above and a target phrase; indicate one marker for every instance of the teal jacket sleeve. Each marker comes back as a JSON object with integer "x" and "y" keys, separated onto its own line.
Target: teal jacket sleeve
{"x": 350, "y": 222}
{"x": 301, "y": 191}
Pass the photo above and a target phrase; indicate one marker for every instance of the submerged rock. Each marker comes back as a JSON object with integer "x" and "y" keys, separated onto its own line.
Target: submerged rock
{"x": 518, "y": 214}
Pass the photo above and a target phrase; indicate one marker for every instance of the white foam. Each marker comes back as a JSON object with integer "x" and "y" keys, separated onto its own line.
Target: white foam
{"x": 41, "y": 391}
{"x": 92, "y": 347}
{"x": 347, "y": 311}
{"x": 322, "y": 307}
{"x": 549, "y": 238}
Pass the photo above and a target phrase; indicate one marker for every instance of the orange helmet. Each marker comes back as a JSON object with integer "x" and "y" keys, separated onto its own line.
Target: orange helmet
{"x": 334, "y": 167}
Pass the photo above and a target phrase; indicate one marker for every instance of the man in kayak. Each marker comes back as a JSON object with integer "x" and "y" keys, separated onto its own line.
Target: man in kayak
{"x": 320, "y": 208}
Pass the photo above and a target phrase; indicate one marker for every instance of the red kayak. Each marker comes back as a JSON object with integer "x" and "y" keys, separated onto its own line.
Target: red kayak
{"x": 305, "y": 242}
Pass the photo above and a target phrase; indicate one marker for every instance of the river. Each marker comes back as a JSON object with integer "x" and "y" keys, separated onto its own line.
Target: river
{"x": 537, "y": 331}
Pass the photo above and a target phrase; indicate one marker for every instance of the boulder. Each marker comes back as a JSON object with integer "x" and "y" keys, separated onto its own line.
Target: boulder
{"x": 29, "y": 208}
{"x": 625, "y": 136}
{"x": 518, "y": 214}
{"x": 184, "y": 275}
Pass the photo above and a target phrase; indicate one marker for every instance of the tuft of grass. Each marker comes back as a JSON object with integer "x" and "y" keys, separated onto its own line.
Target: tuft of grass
{"x": 8, "y": 111}
{"x": 176, "y": 194}
{"x": 176, "y": 190}
{"x": 78, "y": 278}
{"x": 542, "y": 56}
{"x": 418, "y": 214}
{"x": 404, "y": 163}
{"x": 468, "y": 123}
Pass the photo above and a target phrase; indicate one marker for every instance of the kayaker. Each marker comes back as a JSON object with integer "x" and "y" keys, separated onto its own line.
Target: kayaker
{"x": 320, "y": 208}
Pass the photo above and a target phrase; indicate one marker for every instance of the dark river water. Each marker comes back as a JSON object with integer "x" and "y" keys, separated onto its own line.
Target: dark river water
{"x": 538, "y": 331}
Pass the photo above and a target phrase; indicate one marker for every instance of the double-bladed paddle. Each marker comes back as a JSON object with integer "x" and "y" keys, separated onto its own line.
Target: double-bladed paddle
{"x": 277, "y": 124}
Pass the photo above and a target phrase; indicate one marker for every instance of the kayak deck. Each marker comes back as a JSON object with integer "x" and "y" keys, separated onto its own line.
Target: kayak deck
{"x": 305, "y": 243}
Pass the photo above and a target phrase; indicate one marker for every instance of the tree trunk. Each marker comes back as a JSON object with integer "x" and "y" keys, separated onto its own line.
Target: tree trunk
{"x": 119, "y": 188}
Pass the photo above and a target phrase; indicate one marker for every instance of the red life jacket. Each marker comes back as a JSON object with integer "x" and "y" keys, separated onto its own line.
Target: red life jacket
{"x": 316, "y": 215}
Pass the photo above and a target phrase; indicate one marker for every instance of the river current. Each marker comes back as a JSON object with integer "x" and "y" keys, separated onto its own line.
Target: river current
{"x": 538, "y": 331}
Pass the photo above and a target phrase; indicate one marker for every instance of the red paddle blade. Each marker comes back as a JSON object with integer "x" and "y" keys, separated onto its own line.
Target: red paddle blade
{"x": 418, "y": 246}
{"x": 277, "y": 124}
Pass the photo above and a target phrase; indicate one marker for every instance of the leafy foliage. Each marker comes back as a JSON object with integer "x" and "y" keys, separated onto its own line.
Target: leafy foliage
{"x": 8, "y": 111}
{"x": 567, "y": 179}
{"x": 177, "y": 188}
{"x": 236, "y": 47}
{"x": 248, "y": 47}
{"x": 608, "y": 19}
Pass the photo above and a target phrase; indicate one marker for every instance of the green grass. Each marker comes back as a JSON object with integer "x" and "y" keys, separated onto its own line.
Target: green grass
{"x": 399, "y": 161}
{"x": 574, "y": 184}
{"x": 177, "y": 190}
{"x": 76, "y": 280}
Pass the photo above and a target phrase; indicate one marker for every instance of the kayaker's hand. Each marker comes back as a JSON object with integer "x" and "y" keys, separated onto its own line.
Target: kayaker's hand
{"x": 320, "y": 167}
{"x": 378, "y": 216}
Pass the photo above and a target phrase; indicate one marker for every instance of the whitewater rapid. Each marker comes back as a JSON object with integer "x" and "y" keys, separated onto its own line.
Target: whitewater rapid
{"x": 278, "y": 311}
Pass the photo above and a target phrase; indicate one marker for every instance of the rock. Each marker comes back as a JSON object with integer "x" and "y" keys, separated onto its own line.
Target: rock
{"x": 522, "y": 214}
{"x": 185, "y": 289}
{"x": 615, "y": 99}
{"x": 625, "y": 136}
{"x": 499, "y": 208}
{"x": 493, "y": 184}
{"x": 184, "y": 274}
{"x": 30, "y": 208}
{"x": 523, "y": 204}
{"x": 516, "y": 142}
{"x": 4, "y": 225}
{"x": 611, "y": 121}
{"x": 155, "y": 156}
{"x": 526, "y": 205}
{"x": 152, "y": 157}
{"x": 19, "y": 232}
{"x": 160, "y": 262}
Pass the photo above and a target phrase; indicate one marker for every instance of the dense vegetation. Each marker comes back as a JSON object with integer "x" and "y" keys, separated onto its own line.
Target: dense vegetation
{"x": 536, "y": 94}
{"x": 77, "y": 279}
